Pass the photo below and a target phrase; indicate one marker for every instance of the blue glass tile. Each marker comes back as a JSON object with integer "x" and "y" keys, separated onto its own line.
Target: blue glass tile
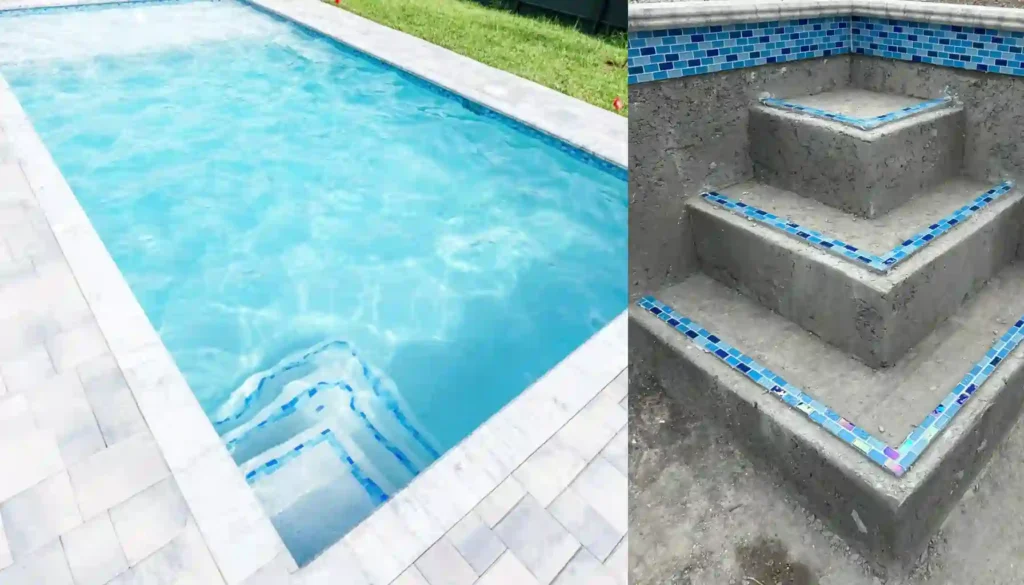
{"x": 992, "y": 51}
{"x": 895, "y": 461}
{"x": 882, "y": 263}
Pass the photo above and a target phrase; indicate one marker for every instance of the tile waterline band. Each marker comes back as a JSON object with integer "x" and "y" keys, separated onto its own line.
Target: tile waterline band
{"x": 682, "y": 52}
{"x": 685, "y": 50}
{"x": 852, "y": 253}
{"x": 896, "y": 460}
{"x": 860, "y": 123}
{"x": 270, "y": 466}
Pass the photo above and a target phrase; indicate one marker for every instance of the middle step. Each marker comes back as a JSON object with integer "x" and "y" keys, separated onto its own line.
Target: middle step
{"x": 860, "y": 151}
{"x": 873, "y": 312}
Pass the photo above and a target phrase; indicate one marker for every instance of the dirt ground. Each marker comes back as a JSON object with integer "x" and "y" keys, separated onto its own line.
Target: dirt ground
{"x": 701, "y": 513}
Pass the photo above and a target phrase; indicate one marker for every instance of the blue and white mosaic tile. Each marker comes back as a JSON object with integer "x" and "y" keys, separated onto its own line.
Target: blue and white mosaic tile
{"x": 680, "y": 52}
{"x": 274, "y": 464}
{"x": 848, "y": 251}
{"x": 861, "y": 123}
{"x": 963, "y": 47}
{"x": 895, "y": 460}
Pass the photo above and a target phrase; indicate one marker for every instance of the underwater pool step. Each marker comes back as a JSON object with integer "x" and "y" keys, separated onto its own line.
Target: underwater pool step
{"x": 327, "y": 387}
{"x": 943, "y": 245}
{"x": 848, "y": 469}
{"x": 323, "y": 438}
{"x": 810, "y": 145}
{"x": 314, "y": 490}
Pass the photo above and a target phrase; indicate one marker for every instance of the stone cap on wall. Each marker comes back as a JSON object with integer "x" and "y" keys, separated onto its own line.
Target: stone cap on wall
{"x": 664, "y": 15}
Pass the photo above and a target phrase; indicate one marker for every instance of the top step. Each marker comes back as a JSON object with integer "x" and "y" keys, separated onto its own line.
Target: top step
{"x": 863, "y": 152}
{"x": 862, "y": 109}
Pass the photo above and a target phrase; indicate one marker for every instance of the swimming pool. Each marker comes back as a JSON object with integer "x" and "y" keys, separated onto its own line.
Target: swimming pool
{"x": 322, "y": 242}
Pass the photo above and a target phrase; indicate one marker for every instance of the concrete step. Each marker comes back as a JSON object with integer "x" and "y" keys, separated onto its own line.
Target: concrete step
{"x": 882, "y": 455}
{"x": 856, "y": 150}
{"x": 875, "y": 302}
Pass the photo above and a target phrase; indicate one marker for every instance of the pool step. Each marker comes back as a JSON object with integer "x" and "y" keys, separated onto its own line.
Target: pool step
{"x": 856, "y": 301}
{"x": 865, "y": 471}
{"x": 314, "y": 490}
{"x": 324, "y": 438}
{"x": 359, "y": 421}
{"x": 810, "y": 145}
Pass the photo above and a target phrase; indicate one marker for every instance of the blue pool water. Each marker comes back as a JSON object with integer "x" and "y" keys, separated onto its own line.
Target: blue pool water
{"x": 268, "y": 193}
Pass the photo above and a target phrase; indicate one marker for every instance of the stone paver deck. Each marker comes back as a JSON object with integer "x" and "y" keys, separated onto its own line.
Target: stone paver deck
{"x": 110, "y": 472}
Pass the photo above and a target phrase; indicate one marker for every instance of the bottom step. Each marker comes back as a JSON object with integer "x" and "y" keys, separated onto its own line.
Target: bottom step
{"x": 889, "y": 510}
{"x": 314, "y": 491}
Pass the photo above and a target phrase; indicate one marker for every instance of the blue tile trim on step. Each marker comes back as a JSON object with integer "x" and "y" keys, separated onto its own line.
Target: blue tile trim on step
{"x": 680, "y": 52}
{"x": 896, "y": 460}
{"x": 861, "y": 123}
{"x": 293, "y": 406}
{"x": 852, "y": 253}
{"x": 655, "y": 55}
{"x": 270, "y": 466}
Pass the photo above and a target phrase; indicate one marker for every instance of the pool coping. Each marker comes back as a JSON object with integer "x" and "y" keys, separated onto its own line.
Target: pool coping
{"x": 661, "y": 15}
{"x": 237, "y": 531}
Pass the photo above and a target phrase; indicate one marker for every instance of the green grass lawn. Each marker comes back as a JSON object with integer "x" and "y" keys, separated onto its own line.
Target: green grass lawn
{"x": 591, "y": 68}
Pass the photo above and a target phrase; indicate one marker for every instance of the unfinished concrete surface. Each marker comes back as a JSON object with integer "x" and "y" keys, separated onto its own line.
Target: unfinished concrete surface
{"x": 722, "y": 473}
{"x": 927, "y": 321}
{"x": 688, "y": 135}
{"x": 856, "y": 102}
{"x": 876, "y": 317}
{"x": 890, "y": 402}
{"x": 703, "y": 513}
{"x": 889, "y": 517}
{"x": 994, "y": 108}
{"x": 864, "y": 172}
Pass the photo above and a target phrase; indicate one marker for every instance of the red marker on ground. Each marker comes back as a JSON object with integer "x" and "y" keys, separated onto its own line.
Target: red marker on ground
{"x": 617, "y": 103}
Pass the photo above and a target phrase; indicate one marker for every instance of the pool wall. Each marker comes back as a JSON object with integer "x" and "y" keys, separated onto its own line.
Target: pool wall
{"x": 689, "y": 133}
{"x": 235, "y": 528}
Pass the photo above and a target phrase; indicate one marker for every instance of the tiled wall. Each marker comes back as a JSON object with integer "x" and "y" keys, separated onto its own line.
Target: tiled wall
{"x": 977, "y": 49}
{"x": 665, "y": 54}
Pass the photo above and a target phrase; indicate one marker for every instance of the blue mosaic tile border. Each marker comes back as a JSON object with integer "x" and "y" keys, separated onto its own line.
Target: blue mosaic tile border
{"x": 680, "y": 52}
{"x": 272, "y": 465}
{"x": 861, "y": 123}
{"x": 896, "y": 460}
{"x": 963, "y": 47}
{"x": 655, "y": 55}
{"x": 848, "y": 251}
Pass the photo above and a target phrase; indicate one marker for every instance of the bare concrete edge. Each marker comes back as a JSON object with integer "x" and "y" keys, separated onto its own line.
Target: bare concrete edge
{"x": 876, "y": 134}
{"x": 661, "y": 15}
{"x": 885, "y": 283}
{"x": 889, "y": 518}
